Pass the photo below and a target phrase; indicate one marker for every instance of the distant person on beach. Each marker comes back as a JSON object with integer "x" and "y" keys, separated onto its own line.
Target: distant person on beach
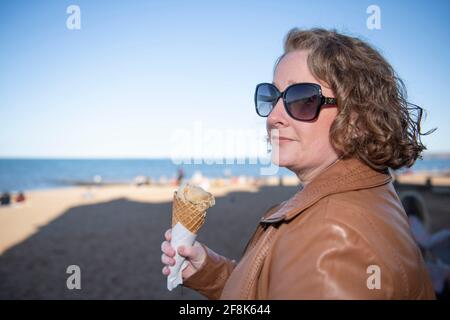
{"x": 337, "y": 117}
{"x": 20, "y": 197}
{"x": 429, "y": 243}
{"x": 5, "y": 199}
{"x": 180, "y": 176}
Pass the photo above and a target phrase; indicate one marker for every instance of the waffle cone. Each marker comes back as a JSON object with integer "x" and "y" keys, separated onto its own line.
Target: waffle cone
{"x": 191, "y": 216}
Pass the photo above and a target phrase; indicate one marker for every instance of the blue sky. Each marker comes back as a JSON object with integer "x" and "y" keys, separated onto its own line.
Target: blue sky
{"x": 138, "y": 70}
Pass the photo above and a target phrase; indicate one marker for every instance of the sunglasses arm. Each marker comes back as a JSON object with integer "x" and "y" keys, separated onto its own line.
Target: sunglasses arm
{"x": 329, "y": 101}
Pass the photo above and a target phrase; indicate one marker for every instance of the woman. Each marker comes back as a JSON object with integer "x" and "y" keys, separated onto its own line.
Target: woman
{"x": 418, "y": 218}
{"x": 337, "y": 117}
{"x": 434, "y": 246}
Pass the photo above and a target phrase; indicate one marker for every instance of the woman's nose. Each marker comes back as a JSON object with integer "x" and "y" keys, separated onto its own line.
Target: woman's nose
{"x": 277, "y": 116}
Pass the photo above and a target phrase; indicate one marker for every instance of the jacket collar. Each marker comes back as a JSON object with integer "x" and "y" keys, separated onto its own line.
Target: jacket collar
{"x": 344, "y": 175}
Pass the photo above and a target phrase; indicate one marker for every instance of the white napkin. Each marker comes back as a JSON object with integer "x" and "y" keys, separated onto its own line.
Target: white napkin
{"x": 180, "y": 237}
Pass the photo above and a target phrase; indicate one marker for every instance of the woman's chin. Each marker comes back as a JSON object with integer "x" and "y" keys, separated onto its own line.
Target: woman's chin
{"x": 283, "y": 161}
{"x": 285, "y": 155}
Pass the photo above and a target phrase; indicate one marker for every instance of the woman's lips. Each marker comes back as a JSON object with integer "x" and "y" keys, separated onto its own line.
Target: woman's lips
{"x": 281, "y": 140}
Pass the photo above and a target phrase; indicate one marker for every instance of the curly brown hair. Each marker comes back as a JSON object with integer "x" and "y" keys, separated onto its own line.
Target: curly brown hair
{"x": 375, "y": 122}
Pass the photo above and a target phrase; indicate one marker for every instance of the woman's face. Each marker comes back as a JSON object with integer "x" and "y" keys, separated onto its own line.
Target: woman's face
{"x": 304, "y": 146}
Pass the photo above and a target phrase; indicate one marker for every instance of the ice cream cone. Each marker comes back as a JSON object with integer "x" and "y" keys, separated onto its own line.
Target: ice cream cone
{"x": 191, "y": 216}
{"x": 188, "y": 216}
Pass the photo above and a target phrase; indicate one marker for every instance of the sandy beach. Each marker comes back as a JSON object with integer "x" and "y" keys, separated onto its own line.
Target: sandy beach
{"x": 114, "y": 234}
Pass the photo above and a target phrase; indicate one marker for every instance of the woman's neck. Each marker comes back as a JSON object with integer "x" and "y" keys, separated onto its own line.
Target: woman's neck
{"x": 307, "y": 176}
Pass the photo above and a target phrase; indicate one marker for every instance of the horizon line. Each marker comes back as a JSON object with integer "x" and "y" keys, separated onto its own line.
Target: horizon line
{"x": 425, "y": 153}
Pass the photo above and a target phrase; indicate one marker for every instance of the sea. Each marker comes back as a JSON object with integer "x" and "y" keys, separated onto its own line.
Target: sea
{"x": 34, "y": 174}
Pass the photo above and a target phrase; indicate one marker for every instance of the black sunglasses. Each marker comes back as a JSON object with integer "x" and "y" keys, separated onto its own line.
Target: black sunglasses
{"x": 302, "y": 101}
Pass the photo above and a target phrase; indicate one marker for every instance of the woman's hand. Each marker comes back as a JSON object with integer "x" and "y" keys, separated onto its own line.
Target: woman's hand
{"x": 195, "y": 256}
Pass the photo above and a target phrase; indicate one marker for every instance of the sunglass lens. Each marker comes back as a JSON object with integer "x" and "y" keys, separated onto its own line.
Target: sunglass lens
{"x": 266, "y": 95}
{"x": 302, "y": 101}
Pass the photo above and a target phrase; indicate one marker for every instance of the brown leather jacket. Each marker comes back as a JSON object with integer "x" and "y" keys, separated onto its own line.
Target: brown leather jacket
{"x": 345, "y": 235}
